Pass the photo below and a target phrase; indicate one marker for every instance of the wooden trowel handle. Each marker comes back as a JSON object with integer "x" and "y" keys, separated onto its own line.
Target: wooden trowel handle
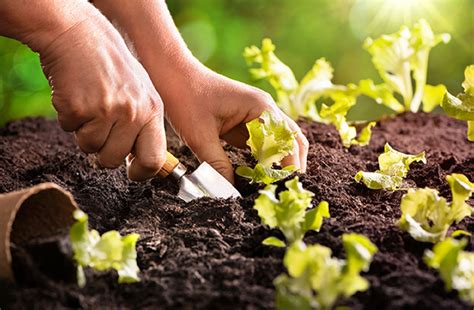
{"x": 168, "y": 167}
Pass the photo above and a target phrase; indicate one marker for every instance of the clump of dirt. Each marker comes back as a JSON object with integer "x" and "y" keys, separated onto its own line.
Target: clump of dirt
{"x": 208, "y": 253}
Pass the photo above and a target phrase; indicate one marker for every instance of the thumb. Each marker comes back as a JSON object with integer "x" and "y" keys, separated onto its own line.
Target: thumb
{"x": 211, "y": 151}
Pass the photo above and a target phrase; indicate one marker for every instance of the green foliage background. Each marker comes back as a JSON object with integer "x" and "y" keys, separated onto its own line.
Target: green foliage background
{"x": 303, "y": 30}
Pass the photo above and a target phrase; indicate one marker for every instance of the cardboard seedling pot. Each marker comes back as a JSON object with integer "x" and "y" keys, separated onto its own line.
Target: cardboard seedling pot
{"x": 40, "y": 211}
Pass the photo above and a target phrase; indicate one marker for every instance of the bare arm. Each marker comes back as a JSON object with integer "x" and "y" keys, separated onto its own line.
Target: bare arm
{"x": 202, "y": 106}
{"x": 38, "y": 23}
{"x": 100, "y": 91}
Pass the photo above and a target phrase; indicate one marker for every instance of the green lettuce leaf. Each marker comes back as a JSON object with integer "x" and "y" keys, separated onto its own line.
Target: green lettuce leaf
{"x": 433, "y": 96}
{"x": 380, "y": 93}
{"x": 427, "y": 217}
{"x": 316, "y": 280}
{"x": 289, "y": 212}
{"x": 393, "y": 168}
{"x": 270, "y": 140}
{"x": 455, "y": 266}
{"x": 275, "y": 72}
{"x": 336, "y": 115}
{"x": 109, "y": 251}
{"x": 274, "y": 241}
{"x": 299, "y": 99}
{"x": 461, "y": 190}
{"x": 462, "y": 106}
{"x": 402, "y": 55}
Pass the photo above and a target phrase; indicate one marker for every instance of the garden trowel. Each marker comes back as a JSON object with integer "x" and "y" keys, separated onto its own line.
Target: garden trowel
{"x": 203, "y": 182}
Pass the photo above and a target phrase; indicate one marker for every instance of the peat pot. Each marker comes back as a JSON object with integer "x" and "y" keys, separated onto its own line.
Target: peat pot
{"x": 36, "y": 212}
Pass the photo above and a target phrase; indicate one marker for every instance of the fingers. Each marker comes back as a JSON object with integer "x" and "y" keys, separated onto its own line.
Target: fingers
{"x": 92, "y": 135}
{"x": 149, "y": 151}
{"x": 211, "y": 151}
{"x": 301, "y": 152}
{"x": 118, "y": 145}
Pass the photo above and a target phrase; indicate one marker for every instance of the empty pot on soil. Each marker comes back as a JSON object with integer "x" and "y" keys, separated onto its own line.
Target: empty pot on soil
{"x": 37, "y": 212}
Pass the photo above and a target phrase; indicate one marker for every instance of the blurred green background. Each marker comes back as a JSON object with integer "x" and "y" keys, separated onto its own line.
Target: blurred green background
{"x": 303, "y": 30}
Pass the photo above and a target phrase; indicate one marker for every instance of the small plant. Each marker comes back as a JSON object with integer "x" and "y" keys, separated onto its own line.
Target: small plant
{"x": 455, "y": 266}
{"x": 393, "y": 168}
{"x": 109, "y": 251}
{"x": 316, "y": 280}
{"x": 427, "y": 217}
{"x": 299, "y": 99}
{"x": 270, "y": 140}
{"x": 336, "y": 114}
{"x": 398, "y": 58}
{"x": 462, "y": 106}
{"x": 289, "y": 212}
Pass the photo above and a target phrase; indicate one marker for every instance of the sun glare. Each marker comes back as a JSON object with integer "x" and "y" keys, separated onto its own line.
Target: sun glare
{"x": 374, "y": 17}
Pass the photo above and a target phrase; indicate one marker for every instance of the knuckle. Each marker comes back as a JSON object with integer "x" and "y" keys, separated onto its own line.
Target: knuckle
{"x": 110, "y": 162}
{"x": 264, "y": 99}
{"x": 128, "y": 111}
{"x": 156, "y": 105}
{"x": 88, "y": 143}
{"x": 152, "y": 163}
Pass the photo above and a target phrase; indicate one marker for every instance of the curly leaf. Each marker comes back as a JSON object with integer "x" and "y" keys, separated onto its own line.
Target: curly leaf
{"x": 270, "y": 140}
{"x": 403, "y": 54}
{"x": 317, "y": 279}
{"x": 289, "y": 212}
{"x": 109, "y": 251}
{"x": 393, "y": 167}
{"x": 380, "y": 93}
{"x": 427, "y": 217}
{"x": 455, "y": 266}
{"x": 462, "y": 106}
{"x": 376, "y": 180}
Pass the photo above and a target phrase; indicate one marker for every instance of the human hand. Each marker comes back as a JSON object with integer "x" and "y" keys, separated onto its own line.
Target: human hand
{"x": 104, "y": 95}
{"x": 212, "y": 107}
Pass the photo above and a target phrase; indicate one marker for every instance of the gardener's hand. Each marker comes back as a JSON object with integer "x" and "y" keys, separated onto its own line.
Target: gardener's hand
{"x": 212, "y": 107}
{"x": 202, "y": 106}
{"x": 104, "y": 95}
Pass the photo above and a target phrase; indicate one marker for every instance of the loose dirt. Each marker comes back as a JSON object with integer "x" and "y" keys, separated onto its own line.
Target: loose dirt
{"x": 208, "y": 253}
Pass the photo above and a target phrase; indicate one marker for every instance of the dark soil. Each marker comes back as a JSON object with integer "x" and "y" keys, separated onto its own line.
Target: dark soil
{"x": 207, "y": 254}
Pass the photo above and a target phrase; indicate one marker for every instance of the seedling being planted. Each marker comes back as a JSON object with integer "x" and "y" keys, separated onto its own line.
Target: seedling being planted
{"x": 455, "y": 266}
{"x": 270, "y": 140}
{"x": 427, "y": 217}
{"x": 462, "y": 106}
{"x": 109, "y": 251}
{"x": 393, "y": 168}
{"x": 315, "y": 280}
{"x": 298, "y": 99}
{"x": 290, "y": 212}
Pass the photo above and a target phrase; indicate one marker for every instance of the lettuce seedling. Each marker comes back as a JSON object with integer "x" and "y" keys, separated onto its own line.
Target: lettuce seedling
{"x": 298, "y": 99}
{"x": 295, "y": 99}
{"x": 455, "y": 266}
{"x": 400, "y": 56}
{"x": 109, "y": 251}
{"x": 427, "y": 217}
{"x": 316, "y": 280}
{"x": 270, "y": 140}
{"x": 462, "y": 106}
{"x": 393, "y": 168}
{"x": 289, "y": 212}
{"x": 336, "y": 115}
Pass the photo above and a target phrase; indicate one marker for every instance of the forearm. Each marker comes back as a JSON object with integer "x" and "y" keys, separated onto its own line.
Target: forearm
{"x": 38, "y": 23}
{"x": 156, "y": 40}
